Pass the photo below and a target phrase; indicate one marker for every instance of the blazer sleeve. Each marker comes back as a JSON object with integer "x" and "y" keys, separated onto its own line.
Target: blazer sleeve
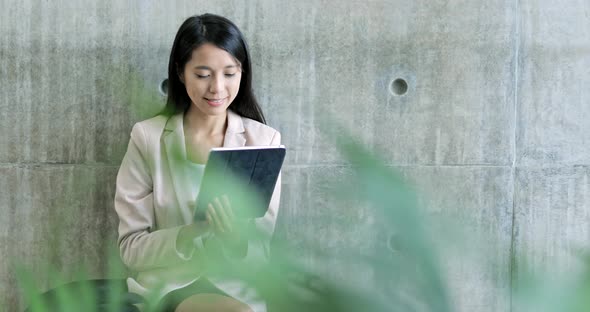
{"x": 259, "y": 244}
{"x": 141, "y": 246}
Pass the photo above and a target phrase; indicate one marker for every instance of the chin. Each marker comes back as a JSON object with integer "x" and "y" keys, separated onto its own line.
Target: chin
{"x": 215, "y": 111}
{"x": 207, "y": 110}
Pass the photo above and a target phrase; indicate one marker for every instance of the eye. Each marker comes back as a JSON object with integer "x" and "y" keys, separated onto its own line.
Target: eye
{"x": 201, "y": 76}
{"x": 230, "y": 75}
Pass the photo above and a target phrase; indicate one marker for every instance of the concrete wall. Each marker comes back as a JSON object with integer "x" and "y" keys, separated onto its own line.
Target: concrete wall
{"x": 493, "y": 127}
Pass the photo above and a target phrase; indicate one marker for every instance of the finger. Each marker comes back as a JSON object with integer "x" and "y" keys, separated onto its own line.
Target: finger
{"x": 211, "y": 222}
{"x": 221, "y": 211}
{"x": 229, "y": 210}
{"x": 209, "y": 218}
{"x": 214, "y": 216}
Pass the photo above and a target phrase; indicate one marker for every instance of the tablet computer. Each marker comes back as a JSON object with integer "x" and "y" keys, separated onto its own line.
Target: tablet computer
{"x": 247, "y": 175}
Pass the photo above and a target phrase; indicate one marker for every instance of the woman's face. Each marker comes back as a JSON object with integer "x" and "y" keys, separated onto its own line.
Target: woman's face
{"x": 212, "y": 79}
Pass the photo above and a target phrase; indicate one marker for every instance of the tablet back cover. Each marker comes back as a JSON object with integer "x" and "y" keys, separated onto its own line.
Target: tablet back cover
{"x": 246, "y": 175}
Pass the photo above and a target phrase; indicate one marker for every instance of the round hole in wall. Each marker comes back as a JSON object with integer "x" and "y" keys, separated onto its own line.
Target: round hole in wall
{"x": 394, "y": 243}
{"x": 398, "y": 86}
{"x": 163, "y": 88}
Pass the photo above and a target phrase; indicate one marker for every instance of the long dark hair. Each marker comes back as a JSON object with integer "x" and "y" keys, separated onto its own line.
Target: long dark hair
{"x": 221, "y": 32}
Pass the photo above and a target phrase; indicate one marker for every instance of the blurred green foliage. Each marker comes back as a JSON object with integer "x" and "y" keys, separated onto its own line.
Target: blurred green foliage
{"x": 290, "y": 286}
{"x": 412, "y": 282}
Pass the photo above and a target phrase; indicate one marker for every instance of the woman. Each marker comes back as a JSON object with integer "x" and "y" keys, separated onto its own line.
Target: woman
{"x": 210, "y": 104}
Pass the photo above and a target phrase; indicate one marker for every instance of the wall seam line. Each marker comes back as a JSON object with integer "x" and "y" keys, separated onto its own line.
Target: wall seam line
{"x": 516, "y": 62}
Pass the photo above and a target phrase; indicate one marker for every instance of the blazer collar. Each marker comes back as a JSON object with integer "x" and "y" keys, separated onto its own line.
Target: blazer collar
{"x": 173, "y": 140}
{"x": 234, "y": 134}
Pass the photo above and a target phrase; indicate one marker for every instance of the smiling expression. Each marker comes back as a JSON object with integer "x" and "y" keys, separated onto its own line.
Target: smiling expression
{"x": 212, "y": 79}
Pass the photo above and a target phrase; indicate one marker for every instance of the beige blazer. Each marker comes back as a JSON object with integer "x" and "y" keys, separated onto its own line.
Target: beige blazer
{"x": 153, "y": 200}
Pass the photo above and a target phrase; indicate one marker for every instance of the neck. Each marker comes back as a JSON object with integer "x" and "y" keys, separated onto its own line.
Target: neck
{"x": 201, "y": 124}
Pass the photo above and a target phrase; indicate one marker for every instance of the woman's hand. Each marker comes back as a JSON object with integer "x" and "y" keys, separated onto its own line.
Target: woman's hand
{"x": 187, "y": 233}
{"x": 225, "y": 225}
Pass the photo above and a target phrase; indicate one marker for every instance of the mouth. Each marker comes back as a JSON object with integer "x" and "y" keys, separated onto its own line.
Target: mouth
{"x": 215, "y": 102}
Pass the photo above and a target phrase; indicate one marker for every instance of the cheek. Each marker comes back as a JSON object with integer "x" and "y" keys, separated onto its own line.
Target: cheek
{"x": 236, "y": 86}
{"x": 193, "y": 87}
{"x": 190, "y": 91}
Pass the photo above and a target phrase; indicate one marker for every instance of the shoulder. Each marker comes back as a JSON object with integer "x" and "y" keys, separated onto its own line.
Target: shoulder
{"x": 261, "y": 133}
{"x": 147, "y": 133}
{"x": 155, "y": 123}
{"x": 150, "y": 127}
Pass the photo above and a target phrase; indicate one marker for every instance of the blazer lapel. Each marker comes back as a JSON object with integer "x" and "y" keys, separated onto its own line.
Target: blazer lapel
{"x": 173, "y": 140}
{"x": 234, "y": 134}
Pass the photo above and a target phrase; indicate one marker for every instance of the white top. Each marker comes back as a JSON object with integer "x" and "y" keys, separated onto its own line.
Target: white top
{"x": 196, "y": 172}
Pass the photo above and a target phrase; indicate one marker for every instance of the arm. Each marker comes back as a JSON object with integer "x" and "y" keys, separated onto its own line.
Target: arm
{"x": 141, "y": 246}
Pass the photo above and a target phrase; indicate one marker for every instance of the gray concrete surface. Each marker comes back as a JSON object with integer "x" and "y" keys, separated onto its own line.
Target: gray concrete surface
{"x": 492, "y": 130}
{"x": 552, "y": 217}
{"x": 471, "y": 210}
{"x": 55, "y": 218}
{"x": 554, "y": 71}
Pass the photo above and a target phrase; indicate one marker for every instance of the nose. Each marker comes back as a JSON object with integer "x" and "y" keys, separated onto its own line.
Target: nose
{"x": 216, "y": 85}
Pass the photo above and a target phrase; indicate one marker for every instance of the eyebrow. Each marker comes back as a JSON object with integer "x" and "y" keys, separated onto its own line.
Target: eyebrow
{"x": 209, "y": 68}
